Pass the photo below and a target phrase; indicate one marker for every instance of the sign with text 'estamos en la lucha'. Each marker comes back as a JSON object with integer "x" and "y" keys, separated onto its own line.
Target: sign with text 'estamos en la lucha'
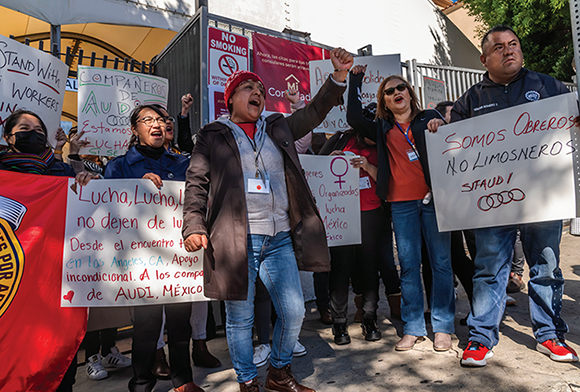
{"x": 106, "y": 98}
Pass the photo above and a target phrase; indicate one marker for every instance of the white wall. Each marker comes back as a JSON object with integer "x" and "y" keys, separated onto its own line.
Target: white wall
{"x": 413, "y": 28}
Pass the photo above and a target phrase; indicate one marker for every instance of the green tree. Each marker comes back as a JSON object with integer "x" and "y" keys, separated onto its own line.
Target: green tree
{"x": 542, "y": 25}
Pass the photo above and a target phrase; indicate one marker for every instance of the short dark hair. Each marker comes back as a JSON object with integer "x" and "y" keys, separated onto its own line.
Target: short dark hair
{"x": 134, "y": 140}
{"x": 500, "y": 28}
{"x": 137, "y": 112}
{"x": 441, "y": 106}
{"x": 12, "y": 120}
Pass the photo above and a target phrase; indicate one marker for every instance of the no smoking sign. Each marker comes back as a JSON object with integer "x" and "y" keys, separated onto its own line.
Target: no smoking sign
{"x": 228, "y": 65}
{"x": 228, "y": 53}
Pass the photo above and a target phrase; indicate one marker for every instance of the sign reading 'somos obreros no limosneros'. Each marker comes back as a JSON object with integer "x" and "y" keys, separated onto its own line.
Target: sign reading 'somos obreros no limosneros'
{"x": 507, "y": 167}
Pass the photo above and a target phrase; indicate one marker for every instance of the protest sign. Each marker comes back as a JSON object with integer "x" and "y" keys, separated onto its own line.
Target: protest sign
{"x": 282, "y": 64}
{"x": 228, "y": 53}
{"x": 106, "y": 98}
{"x": 433, "y": 92}
{"x": 123, "y": 246}
{"x": 506, "y": 167}
{"x": 217, "y": 103}
{"x": 39, "y": 338}
{"x": 33, "y": 80}
{"x": 334, "y": 183}
{"x": 378, "y": 68}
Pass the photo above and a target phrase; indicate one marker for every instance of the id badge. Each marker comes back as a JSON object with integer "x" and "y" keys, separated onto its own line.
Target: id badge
{"x": 412, "y": 155}
{"x": 257, "y": 185}
{"x": 364, "y": 183}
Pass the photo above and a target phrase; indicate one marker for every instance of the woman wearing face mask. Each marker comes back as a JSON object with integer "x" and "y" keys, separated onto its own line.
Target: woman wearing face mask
{"x": 147, "y": 158}
{"x": 28, "y": 150}
{"x": 403, "y": 180}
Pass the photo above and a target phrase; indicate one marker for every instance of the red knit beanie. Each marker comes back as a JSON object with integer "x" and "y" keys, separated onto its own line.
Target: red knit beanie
{"x": 236, "y": 79}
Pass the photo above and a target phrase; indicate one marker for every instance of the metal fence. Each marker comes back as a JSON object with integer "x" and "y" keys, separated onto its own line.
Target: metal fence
{"x": 74, "y": 56}
{"x": 457, "y": 80}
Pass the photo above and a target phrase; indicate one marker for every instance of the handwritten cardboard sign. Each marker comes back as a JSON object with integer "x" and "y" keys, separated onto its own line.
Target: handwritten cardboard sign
{"x": 106, "y": 98}
{"x": 378, "y": 68}
{"x": 123, "y": 246}
{"x": 31, "y": 79}
{"x": 335, "y": 187}
{"x": 507, "y": 167}
{"x": 433, "y": 92}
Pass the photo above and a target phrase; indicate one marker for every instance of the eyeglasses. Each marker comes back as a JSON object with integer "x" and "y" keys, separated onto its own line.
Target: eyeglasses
{"x": 149, "y": 121}
{"x": 169, "y": 119}
{"x": 391, "y": 90}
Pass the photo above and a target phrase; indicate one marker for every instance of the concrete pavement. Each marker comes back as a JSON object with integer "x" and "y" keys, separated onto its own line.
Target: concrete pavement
{"x": 376, "y": 366}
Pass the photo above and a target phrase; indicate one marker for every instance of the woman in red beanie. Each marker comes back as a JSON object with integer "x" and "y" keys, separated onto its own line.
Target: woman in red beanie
{"x": 248, "y": 205}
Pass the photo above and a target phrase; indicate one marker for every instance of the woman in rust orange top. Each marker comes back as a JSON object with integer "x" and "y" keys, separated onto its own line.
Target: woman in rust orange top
{"x": 403, "y": 180}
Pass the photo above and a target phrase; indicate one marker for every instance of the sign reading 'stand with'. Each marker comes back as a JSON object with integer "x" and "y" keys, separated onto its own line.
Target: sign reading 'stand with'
{"x": 33, "y": 80}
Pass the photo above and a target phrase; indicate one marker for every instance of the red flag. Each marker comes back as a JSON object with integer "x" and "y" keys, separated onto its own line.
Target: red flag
{"x": 38, "y": 338}
{"x": 282, "y": 63}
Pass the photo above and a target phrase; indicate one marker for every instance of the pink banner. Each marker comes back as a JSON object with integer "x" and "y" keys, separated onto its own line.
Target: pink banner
{"x": 282, "y": 64}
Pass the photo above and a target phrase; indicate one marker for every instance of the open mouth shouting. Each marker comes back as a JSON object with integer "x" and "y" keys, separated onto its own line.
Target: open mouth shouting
{"x": 157, "y": 134}
{"x": 255, "y": 102}
{"x": 247, "y": 102}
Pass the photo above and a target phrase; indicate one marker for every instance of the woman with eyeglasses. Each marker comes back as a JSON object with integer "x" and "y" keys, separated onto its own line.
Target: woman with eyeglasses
{"x": 148, "y": 158}
{"x": 403, "y": 180}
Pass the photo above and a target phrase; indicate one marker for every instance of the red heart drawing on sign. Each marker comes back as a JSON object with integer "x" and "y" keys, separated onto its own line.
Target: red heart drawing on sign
{"x": 69, "y": 296}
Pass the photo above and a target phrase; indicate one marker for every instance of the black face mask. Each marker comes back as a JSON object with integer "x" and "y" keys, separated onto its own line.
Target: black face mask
{"x": 30, "y": 142}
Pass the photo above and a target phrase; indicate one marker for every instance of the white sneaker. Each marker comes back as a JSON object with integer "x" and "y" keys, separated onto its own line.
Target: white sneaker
{"x": 116, "y": 359}
{"x": 299, "y": 349}
{"x": 95, "y": 369}
{"x": 261, "y": 354}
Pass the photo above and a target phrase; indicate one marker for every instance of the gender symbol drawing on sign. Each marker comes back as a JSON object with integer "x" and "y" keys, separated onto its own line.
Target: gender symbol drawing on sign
{"x": 228, "y": 64}
{"x": 340, "y": 181}
{"x": 334, "y": 184}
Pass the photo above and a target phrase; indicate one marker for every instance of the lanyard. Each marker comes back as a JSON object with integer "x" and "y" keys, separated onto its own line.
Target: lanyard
{"x": 257, "y": 143}
{"x": 406, "y": 134}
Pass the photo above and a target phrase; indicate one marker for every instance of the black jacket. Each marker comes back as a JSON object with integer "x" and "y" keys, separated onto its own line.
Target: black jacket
{"x": 184, "y": 138}
{"x": 378, "y": 132}
{"x": 488, "y": 96}
{"x": 338, "y": 141}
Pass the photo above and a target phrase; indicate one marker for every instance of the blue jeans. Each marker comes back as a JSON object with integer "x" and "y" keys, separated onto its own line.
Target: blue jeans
{"x": 494, "y": 250}
{"x": 411, "y": 219}
{"x": 273, "y": 259}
